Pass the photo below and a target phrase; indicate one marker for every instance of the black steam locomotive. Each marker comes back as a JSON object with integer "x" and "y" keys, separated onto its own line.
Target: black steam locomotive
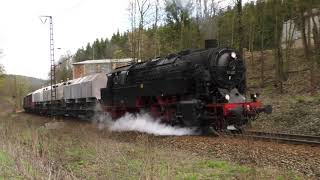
{"x": 201, "y": 88}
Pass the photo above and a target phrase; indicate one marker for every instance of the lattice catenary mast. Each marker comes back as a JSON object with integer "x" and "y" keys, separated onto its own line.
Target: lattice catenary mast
{"x": 52, "y": 64}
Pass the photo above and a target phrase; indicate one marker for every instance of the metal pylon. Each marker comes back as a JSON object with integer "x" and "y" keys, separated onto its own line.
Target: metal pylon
{"x": 53, "y": 68}
{"x": 53, "y": 92}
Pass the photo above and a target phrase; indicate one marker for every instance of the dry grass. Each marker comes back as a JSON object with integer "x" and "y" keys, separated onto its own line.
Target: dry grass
{"x": 81, "y": 151}
{"x": 296, "y": 114}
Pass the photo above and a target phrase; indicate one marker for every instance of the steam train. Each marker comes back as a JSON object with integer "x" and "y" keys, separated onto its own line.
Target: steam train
{"x": 193, "y": 88}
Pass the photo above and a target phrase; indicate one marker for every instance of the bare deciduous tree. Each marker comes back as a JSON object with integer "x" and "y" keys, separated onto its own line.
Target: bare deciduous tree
{"x": 278, "y": 54}
{"x": 132, "y": 39}
{"x": 306, "y": 18}
{"x": 143, "y": 7}
{"x": 155, "y": 26}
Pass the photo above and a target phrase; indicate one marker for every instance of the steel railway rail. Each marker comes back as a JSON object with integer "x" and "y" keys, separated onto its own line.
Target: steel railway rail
{"x": 279, "y": 137}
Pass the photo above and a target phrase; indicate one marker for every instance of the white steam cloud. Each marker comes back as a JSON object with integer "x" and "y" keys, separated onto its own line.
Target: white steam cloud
{"x": 142, "y": 123}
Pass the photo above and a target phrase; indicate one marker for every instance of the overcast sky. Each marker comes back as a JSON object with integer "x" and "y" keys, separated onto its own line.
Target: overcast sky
{"x": 25, "y": 40}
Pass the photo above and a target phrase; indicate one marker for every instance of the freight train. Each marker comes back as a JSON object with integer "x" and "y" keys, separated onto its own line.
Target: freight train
{"x": 202, "y": 88}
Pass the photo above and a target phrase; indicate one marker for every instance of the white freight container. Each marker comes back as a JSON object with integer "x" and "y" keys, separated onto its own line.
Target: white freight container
{"x": 36, "y": 95}
{"x": 76, "y": 89}
{"x": 91, "y": 85}
{"x": 67, "y": 93}
{"x": 47, "y": 93}
{"x": 59, "y": 91}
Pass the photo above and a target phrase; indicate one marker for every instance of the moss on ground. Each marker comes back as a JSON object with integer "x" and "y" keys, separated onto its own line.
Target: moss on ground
{"x": 215, "y": 169}
{"x": 7, "y": 169}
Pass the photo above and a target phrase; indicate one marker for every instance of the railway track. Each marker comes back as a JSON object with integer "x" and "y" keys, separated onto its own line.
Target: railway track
{"x": 257, "y": 135}
{"x": 279, "y": 137}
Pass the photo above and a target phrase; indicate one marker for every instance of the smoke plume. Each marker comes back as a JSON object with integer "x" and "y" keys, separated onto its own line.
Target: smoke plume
{"x": 142, "y": 123}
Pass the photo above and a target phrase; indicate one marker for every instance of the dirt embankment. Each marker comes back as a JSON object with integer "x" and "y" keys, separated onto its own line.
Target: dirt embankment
{"x": 294, "y": 114}
{"x": 295, "y": 110}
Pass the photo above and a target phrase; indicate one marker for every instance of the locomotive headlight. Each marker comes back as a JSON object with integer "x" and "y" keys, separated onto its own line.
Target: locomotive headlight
{"x": 233, "y": 55}
{"x": 227, "y": 97}
{"x": 254, "y": 97}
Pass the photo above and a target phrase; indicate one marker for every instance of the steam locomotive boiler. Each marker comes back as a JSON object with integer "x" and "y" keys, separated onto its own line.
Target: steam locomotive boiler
{"x": 198, "y": 88}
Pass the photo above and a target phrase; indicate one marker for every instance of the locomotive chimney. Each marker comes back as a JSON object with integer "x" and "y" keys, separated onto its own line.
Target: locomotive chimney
{"x": 210, "y": 43}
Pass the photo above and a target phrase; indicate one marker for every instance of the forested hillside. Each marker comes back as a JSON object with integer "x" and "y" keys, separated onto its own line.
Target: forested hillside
{"x": 15, "y": 87}
{"x": 159, "y": 28}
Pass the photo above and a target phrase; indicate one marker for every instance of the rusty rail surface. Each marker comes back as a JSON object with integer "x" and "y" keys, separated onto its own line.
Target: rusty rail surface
{"x": 279, "y": 137}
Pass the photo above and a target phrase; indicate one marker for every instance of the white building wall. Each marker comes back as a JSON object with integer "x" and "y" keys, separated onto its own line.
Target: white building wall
{"x": 291, "y": 30}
